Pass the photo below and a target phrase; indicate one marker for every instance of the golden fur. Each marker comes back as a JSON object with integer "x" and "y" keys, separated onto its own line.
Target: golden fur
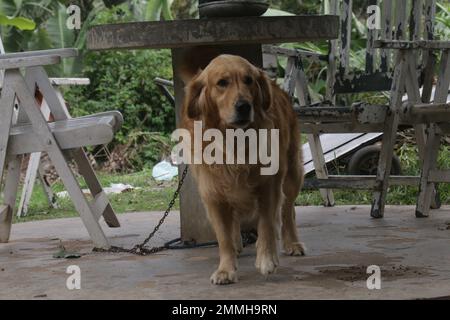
{"x": 233, "y": 193}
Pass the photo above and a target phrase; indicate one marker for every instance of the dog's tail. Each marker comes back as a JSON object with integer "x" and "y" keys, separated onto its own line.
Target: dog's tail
{"x": 194, "y": 60}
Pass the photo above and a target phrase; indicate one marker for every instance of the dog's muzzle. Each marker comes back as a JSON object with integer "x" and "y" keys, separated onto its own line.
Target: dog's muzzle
{"x": 243, "y": 113}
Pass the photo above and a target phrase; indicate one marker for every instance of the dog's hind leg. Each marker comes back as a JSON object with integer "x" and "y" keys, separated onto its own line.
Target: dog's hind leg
{"x": 221, "y": 217}
{"x": 291, "y": 188}
{"x": 291, "y": 245}
{"x": 269, "y": 203}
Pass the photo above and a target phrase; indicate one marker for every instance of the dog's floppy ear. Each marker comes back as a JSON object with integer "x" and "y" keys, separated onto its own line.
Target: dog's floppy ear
{"x": 192, "y": 108}
{"x": 265, "y": 89}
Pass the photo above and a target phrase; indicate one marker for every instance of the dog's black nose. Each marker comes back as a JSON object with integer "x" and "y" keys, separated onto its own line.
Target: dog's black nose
{"x": 243, "y": 109}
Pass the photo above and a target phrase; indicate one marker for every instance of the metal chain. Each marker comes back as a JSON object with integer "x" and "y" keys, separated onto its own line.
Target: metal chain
{"x": 140, "y": 249}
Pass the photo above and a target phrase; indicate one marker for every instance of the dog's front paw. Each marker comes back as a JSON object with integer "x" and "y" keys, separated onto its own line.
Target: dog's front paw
{"x": 267, "y": 264}
{"x": 295, "y": 249}
{"x": 224, "y": 277}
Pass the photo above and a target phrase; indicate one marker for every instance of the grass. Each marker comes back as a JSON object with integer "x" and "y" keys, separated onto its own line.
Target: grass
{"x": 148, "y": 195}
{"x": 151, "y": 195}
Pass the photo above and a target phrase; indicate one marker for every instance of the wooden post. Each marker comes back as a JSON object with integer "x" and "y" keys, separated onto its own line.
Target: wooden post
{"x": 346, "y": 29}
{"x": 372, "y": 34}
{"x": 332, "y": 55}
{"x": 427, "y": 188}
{"x": 389, "y": 135}
{"x": 9, "y": 196}
{"x": 386, "y": 34}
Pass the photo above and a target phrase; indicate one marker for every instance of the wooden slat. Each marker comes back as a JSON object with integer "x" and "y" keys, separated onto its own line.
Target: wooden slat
{"x": 6, "y": 115}
{"x": 297, "y": 53}
{"x": 320, "y": 167}
{"x": 2, "y": 72}
{"x": 389, "y": 135}
{"x": 386, "y": 34}
{"x": 14, "y": 63}
{"x": 343, "y": 127}
{"x": 28, "y": 185}
{"x": 70, "y": 81}
{"x": 361, "y": 82}
{"x": 430, "y": 108}
{"x": 429, "y": 12}
{"x": 426, "y": 188}
{"x": 415, "y": 24}
{"x": 413, "y": 92}
{"x": 437, "y": 176}
{"x": 12, "y": 174}
{"x": 69, "y": 134}
{"x": 325, "y": 114}
{"x": 346, "y": 28}
{"x": 421, "y": 44}
{"x": 359, "y": 182}
{"x": 99, "y": 204}
{"x": 62, "y": 53}
{"x": 289, "y": 77}
{"x": 372, "y": 35}
{"x": 301, "y": 84}
{"x": 428, "y": 75}
{"x": 9, "y": 196}
{"x": 88, "y": 173}
{"x": 415, "y": 20}
{"x": 400, "y": 21}
{"x": 332, "y": 55}
{"x": 443, "y": 80}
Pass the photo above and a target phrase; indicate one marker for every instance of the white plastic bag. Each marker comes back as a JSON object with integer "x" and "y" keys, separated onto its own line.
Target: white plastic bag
{"x": 164, "y": 170}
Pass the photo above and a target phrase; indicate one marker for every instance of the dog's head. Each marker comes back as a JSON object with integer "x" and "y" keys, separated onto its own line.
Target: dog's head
{"x": 230, "y": 92}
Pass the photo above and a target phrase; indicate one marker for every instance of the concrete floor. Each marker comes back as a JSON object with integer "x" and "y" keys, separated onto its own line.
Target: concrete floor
{"x": 413, "y": 254}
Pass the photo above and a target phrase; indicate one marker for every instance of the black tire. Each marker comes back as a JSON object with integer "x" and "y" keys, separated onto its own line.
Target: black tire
{"x": 365, "y": 162}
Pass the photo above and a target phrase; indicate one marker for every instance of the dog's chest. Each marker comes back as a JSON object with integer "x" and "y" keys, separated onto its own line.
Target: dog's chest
{"x": 232, "y": 182}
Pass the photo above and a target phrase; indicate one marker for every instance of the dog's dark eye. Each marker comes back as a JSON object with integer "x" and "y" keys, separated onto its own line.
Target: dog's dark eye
{"x": 222, "y": 83}
{"x": 248, "y": 80}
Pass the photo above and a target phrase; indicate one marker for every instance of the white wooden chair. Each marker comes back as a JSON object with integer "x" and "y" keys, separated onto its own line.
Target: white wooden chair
{"x": 432, "y": 112}
{"x": 27, "y": 131}
{"x": 378, "y": 75}
{"x": 34, "y": 166}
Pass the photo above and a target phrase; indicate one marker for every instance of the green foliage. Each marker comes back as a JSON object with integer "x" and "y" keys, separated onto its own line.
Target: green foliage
{"x": 18, "y": 22}
{"x": 442, "y": 27}
{"x": 37, "y": 11}
{"x": 157, "y": 9}
{"x": 149, "y": 195}
{"x": 185, "y": 9}
{"x": 297, "y": 7}
{"x": 50, "y": 31}
{"x": 124, "y": 81}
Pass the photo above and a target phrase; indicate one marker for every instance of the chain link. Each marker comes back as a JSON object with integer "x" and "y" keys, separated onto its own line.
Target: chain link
{"x": 140, "y": 249}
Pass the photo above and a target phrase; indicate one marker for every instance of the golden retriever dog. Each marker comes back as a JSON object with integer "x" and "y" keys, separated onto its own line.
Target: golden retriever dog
{"x": 231, "y": 93}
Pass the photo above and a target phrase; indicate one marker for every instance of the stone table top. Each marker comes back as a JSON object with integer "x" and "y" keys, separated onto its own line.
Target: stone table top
{"x": 213, "y": 31}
